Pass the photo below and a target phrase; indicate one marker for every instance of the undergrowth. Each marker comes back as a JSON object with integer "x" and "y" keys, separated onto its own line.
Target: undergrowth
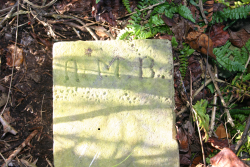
{"x": 230, "y": 58}
{"x": 155, "y": 24}
{"x": 228, "y": 13}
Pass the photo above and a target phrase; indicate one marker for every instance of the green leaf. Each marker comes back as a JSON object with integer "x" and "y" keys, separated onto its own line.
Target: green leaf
{"x": 203, "y": 118}
{"x": 97, "y": 1}
{"x": 174, "y": 42}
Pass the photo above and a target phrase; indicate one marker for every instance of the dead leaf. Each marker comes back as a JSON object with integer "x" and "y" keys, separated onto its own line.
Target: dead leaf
{"x": 78, "y": 6}
{"x": 185, "y": 158}
{"x": 218, "y": 35}
{"x": 166, "y": 36}
{"x": 196, "y": 161}
{"x": 101, "y": 31}
{"x": 239, "y": 38}
{"x": 195, "y": 12}
{"x": 168, "y": 21}
{"x": 217, "y": 143}
{"x": 45, "y": 42}
{"x": 7, "y": 117}
{"x": 221, "y": 132}
{"x": 179, "y": 30}
{"x": 10, "y": 56}
{"x": 226, "y": 158}
{"x": 178, "y": 101}
{"x": 182, "y": 139}
{"x": 200, "y": 42}
{"x": 208, "y": 7}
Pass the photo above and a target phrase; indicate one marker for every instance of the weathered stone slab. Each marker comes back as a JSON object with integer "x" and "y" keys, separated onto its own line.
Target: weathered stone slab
{"x": 113, "y": 104}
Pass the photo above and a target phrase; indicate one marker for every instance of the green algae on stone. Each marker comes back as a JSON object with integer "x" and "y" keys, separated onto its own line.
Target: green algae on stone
{"x": 112, "y": 99}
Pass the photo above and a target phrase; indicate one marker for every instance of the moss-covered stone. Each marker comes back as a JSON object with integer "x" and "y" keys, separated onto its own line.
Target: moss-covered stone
{"x": 113, "y": 103}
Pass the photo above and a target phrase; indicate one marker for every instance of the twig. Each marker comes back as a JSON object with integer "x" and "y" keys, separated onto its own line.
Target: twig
{"x": 42, "y": 109}
{"x": 202, "y": 11}
{"x": 26, "y": 163}
{"x": 214, "y": 107}
{"x": 8, "y": 8}
{"x": 196, "y": 120}
{"x": 77, "y": 33}
{"x": 9, "y": 14}
{"x": 200, "y": 89}
{"x": 74, "y": 25}
{"x": 13, "y": 62}
{"x": 26, "y": 142}
{"x": 6, "y": 127}
{"x": 48, "y": 161}
{"x": 3, "y": 157}
{"x": 51, "y": 32}
{"x": 94, "y": 22}
{"x": 56, "y": 16}
{"x": 150, "y": 7}
{"x": 40, "y": 7}
{"x": 229, "y": 118}
{"x": 243, "y": 137}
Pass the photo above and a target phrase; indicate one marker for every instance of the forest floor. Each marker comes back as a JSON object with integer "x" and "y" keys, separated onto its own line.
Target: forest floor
{"x": 26, "y": 81}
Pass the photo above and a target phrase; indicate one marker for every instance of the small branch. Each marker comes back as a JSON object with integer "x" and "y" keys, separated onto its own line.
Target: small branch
{"x": 26, "y": 142}
{"x": 6, "y": 9}
{"x": 243, "y": 137}
{"x": 40, "y": 7}
{"x": 14, "y": 59}
{"x": 196, "y": 120}
{"x": 200, "y": 89}
{"x": 2, "y": 157}
{"x": 57, "y": 16}
{"x": 50, "y": 31}
{"x": 77, "y": 33}
{"x": 229, "y": 118}
{"x": 150, "y": 7}
{"x": 202, "y": 11}
{"x": 214, "y": 108}
{"x": 8, "y": 15}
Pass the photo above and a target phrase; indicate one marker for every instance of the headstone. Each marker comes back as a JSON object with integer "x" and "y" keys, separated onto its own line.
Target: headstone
{"x": 113, "y": 104}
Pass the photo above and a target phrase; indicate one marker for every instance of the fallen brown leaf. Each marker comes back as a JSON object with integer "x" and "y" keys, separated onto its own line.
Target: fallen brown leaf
{"x": 182, "y": 139}
{"x": 226, "y": 158}
{"x": 239, "y": 38}
{"x": 217, "y": 143}
{"x": 185, "y": 158}
{"x": 170, "y": 22}
{"x": 7, "y": 117}
{"x": 200, "y": 42}
{"x": 218, "y": 35}
{"x": 221, "y": 132}
{"x": 209, "y": 7}
{"x": 10, "y": 56}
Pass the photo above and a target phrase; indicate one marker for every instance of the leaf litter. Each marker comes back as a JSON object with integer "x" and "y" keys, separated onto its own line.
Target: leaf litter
{"x": 32, "y": 74}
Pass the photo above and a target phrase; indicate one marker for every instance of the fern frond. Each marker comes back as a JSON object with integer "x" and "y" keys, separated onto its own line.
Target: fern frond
{"x": 185, "y": 12}
{"x": 236, "y": 13}
{"x": 123, "y": 34}
{"x": 127, "y": 6}
{"x": 183, "y": 59}
{"x": 222, "y": 56}
{"x": 244, "y": 111}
